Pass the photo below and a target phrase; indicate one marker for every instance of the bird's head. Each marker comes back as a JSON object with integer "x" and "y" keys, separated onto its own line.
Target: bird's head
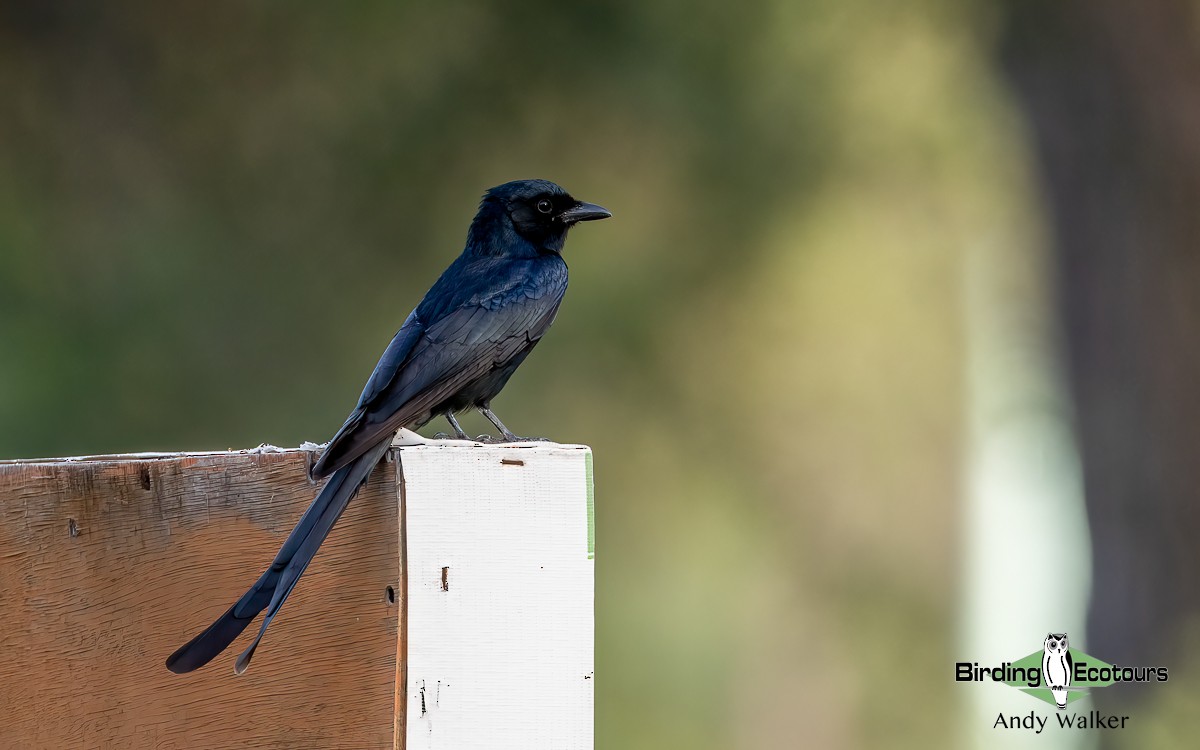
{"x": 527, "y": 217}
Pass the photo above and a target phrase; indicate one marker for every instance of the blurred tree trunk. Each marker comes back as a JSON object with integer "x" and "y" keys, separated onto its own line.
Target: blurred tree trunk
{"x": 1111, "y": 91}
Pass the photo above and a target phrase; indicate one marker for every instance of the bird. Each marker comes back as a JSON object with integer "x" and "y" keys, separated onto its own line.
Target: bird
{"x": 1057, "y": 667}
{"x": 454, "y": 352}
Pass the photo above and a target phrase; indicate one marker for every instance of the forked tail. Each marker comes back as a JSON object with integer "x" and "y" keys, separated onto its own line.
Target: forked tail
{"x": 273, "y": 587}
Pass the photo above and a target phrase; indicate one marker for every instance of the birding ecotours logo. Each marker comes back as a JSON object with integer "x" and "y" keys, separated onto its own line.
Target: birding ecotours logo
{"x": 1057, "y": 673}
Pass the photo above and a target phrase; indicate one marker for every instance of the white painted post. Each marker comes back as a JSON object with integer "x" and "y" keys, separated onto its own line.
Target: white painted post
{"x": 498, "y": 562}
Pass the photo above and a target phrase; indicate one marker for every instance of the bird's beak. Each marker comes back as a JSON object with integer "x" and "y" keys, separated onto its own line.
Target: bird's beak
{"x": 583, "y": 212}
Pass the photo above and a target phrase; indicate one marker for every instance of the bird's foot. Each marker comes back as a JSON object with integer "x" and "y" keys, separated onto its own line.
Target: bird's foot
{"x": 511, "y": 439}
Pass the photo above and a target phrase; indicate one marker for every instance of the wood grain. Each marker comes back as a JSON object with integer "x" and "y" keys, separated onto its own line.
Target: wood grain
{"x": 108, "y": 564}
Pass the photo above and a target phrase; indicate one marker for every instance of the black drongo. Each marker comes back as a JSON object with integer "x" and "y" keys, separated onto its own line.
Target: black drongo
{"x": 454, "y": 352}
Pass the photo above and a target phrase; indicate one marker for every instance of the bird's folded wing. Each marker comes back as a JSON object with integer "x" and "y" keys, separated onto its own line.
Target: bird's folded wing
{"x": 442, "y": 359}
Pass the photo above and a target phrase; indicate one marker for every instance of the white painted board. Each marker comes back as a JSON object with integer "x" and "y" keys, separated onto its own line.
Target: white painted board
{"x": 500, "y": 645}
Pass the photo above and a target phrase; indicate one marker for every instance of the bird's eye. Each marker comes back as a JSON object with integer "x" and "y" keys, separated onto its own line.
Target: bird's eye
{"x": 545, "y": 206}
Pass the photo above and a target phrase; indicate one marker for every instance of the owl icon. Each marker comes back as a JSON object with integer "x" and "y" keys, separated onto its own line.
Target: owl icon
{"x": 1057, "y": 667}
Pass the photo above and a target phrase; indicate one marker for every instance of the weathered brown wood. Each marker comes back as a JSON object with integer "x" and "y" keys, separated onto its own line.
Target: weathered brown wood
{"x": 108, "y": 564}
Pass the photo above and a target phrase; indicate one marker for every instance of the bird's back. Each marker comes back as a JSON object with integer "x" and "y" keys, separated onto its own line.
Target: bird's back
{"x": 481, "y": 315}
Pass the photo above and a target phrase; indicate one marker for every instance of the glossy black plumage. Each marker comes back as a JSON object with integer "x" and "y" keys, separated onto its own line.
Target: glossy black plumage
{"x": 455, "y": 351}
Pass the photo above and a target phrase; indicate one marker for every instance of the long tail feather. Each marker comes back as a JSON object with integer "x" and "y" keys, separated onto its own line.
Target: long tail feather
{"x": 273, "y": 587}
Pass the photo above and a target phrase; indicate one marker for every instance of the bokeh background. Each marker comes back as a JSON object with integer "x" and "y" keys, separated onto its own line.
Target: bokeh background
{"x": 889, "y": 357}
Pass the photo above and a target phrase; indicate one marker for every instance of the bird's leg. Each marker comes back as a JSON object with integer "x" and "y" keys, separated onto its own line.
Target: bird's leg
{"x": 508, "y": 436}
{"x": 458, "y": 430}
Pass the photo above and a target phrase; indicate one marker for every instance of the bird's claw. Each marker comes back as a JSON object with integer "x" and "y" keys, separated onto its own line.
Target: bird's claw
{"x": 490, "y": 440}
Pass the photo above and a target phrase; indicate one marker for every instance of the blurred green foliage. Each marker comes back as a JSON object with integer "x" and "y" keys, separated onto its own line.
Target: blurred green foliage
{"x": 214, "y": 216}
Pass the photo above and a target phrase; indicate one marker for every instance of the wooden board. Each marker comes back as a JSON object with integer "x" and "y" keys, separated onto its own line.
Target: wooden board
{"x": 107, "y": 565}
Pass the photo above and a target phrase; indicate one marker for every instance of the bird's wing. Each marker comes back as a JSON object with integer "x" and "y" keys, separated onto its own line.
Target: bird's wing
{"x": 439, "y": 360}
{"x": 392, "y": 359}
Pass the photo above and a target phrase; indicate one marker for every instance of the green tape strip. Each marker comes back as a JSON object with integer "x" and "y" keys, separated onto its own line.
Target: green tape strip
{"x": 591, "y": 507}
